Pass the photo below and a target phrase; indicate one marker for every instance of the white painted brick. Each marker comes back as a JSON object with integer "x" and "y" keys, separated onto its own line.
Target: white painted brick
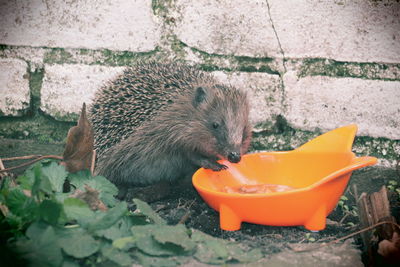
{"x": 359, "y": 30}
{"x": 14, "y": 87}
{"x": 327, "y": 103}
{"x": 236, "y": 27}
{"x": 264, "y": 91}
{"x": 110, "y": 24}
{"x": 355, "y": 30}
{"x": 33, "y": 55}
{"x": 66, "y": 87}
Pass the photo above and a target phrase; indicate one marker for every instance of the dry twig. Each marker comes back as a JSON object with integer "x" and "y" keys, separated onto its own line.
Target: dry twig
{"x": 187, "y": 214}
{"x": 2, "y": 168}
{"x": 347, "y": 236}
{"x": 21, "y": 157}
{"x": 31, "y": 162}
{"x": 92, "y": 165}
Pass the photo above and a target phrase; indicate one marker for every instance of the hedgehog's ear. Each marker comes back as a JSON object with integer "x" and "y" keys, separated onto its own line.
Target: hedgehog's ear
{"x": 200, "y": 96}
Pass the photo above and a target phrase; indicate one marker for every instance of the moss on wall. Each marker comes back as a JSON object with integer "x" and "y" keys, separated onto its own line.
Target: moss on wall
{"x": 333, "y": 68}
{"x": 279, "y": 136}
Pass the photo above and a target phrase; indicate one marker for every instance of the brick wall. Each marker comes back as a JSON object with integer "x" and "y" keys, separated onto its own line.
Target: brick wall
{"x": 314, "y": 65}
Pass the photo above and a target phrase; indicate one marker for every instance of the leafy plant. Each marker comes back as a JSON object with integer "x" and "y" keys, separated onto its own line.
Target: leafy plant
{"x": 394, "y": 186}
{"x": 347, "y": 209}
{"x": 350, "y": 212}
{"x": 309, "y": 238}
{"x": 55, "y": 218}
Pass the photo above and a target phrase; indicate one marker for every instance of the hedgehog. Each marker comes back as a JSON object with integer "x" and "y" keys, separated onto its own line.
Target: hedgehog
{"x": 162, "y": 121}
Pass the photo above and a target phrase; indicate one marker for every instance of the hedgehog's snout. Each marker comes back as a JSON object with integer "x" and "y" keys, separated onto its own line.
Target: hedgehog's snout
{"x": 234, "y": 157}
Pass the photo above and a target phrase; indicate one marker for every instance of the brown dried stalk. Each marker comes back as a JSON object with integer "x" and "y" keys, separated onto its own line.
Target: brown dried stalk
{"x": 347, "y": 236}
{"x": 31, "y": 162}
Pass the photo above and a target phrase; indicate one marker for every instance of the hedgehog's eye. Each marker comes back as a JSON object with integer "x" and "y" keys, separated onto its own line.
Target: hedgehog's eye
{"x": 215, "y": 125}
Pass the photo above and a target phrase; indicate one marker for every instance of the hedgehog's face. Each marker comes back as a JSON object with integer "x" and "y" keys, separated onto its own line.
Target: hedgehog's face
{"x": 224, "y": 113}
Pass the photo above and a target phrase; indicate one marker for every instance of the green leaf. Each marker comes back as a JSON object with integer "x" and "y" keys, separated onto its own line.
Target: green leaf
{"x": 56, "y": 174}
{"x": 217, "y": 251}
{"x": 108, "y": 199}
{"x": 78, "y": 179}
{"x": 69, "y": 263}
{"x": 76, "y": 209}
{"x": 139, "y": 231}
{"x": 120, "y": 229}
{"x": 45, "y": 185}
{"x": 115, "y": 255}
{"x": 5, "y": 184}
{"x": 21, "y": 205}
{"x": 111, "y": 233}
{"x": 212, "y": 252}
{"x": 144, "y": 208}
{"x": 61, "y": 197}
{"x": 145, "y": 241}
{"x": 124, "y": 243}
{"x": 78, "y": 243}
{"x": 15, "y": 221}
{"x": 126, "y": 223}
{"x": 148, "y": 245}
{"x": 199, "y": 236}
{"x": 351, "y": 224}
{"x": 175, "y": 235}
{"x": 108, "y": 218}
{"x": 106, "y": 189}
{"x": 149, "y": 261}
{"x": 100, "y": 183}
{"x": 50, "y": 211}
{"x": 36, "y": 229}
{"x": 37, "y": 174}
{"x": 41, "y": 182}
{"x": 41, "y": 249}
{"x": 244, "y": 256}
{"x": 27, "y": 179}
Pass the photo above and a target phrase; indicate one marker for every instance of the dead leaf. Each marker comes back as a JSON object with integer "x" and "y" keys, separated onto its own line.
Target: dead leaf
{"x": 27, "y": 193}
{"x": 91, "y": 197}
{"x": 4, "y": 210}
{"x": 78, "y": 151}
{"x": 390, "y": 250}
{"x": 4, "y": 174}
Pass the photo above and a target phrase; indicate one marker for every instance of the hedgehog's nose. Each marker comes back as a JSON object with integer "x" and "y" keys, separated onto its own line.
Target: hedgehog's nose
{"x": 234, "y": 157}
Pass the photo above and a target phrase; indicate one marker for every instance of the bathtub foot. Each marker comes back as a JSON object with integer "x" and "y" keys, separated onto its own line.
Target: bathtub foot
{"x": 228, "y": 219}
{"x": 317, "y": 221}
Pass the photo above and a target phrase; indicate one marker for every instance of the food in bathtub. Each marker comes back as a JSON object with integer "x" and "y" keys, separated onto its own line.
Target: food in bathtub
{"x": 257, "y": 189}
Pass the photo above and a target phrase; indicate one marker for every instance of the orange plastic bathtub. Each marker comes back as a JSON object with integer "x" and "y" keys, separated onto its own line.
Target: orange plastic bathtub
{"x": 317, "y": 172}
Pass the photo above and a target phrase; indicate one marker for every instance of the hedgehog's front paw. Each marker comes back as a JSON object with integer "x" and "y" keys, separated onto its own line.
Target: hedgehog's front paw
{"x": 220, "y": 167}
{"x": 215, "y": 166}
{"x": 207, "y": 162}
